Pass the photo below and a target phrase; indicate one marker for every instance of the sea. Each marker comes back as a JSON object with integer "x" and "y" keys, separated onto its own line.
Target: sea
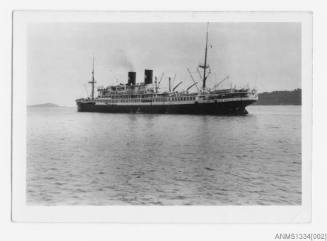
{"x": 78, "y": 158}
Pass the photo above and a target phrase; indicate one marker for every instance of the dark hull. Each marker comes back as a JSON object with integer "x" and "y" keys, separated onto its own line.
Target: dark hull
{"x": 222, "y": 108}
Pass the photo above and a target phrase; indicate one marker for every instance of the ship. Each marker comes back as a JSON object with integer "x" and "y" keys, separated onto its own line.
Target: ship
{"x": 145, "y": 97}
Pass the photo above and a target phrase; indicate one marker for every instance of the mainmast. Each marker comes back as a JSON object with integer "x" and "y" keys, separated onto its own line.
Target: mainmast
{"x": 93, "y": 81}
{"x": 205, "y": 66}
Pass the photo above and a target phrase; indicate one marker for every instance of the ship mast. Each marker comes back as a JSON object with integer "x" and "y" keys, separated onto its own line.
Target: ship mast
{"x": 93, "y": 81}
{"x": 205, "y": 66}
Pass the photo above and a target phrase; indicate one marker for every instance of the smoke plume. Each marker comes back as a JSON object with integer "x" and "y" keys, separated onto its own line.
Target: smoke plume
{"x": 122, "y": 60}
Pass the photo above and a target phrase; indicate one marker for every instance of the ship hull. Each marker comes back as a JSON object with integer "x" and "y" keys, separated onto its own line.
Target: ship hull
{"x": 220, "y": 108}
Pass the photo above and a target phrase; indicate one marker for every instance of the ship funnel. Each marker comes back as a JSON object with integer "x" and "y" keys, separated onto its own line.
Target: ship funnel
{"x": 131, "y": 78}
{"x": 148, "y": 75}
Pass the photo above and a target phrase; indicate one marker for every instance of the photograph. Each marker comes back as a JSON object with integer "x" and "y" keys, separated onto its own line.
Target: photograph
{"x": 137, "y": 112}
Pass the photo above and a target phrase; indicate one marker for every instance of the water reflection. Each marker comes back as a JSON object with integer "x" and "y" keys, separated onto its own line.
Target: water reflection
{"x": 107, "y": 159}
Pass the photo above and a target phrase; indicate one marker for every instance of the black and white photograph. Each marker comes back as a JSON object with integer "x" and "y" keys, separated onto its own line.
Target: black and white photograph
{"x": 196, "y": 111}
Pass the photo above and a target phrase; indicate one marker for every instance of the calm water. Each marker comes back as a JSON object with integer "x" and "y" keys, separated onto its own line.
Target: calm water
{"x": 104, "y": 159}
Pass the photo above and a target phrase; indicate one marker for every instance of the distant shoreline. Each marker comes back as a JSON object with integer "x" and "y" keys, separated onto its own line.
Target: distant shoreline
{"x": 255, "y": 104}
{"x": 293, "y": 97}
{"x": 45, "y": 105}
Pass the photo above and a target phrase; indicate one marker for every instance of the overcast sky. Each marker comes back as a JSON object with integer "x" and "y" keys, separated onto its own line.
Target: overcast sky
{"x": 262, "y": 55}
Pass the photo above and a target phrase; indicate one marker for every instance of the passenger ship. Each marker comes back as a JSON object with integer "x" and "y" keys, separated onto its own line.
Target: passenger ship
{"x": 145, "y": 97}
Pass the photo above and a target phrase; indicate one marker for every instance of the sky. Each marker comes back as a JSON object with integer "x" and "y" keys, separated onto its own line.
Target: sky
{"x": 265, "y": 56}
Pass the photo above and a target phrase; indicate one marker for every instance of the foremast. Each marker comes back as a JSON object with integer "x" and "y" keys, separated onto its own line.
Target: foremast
{"x": 205, "y": 66}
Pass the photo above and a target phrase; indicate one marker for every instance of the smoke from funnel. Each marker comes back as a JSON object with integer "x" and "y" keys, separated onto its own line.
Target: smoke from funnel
{"x": 121, "y": 59}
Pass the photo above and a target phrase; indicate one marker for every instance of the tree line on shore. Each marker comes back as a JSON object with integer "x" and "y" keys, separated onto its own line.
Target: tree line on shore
{"x": 280, "y": 97}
